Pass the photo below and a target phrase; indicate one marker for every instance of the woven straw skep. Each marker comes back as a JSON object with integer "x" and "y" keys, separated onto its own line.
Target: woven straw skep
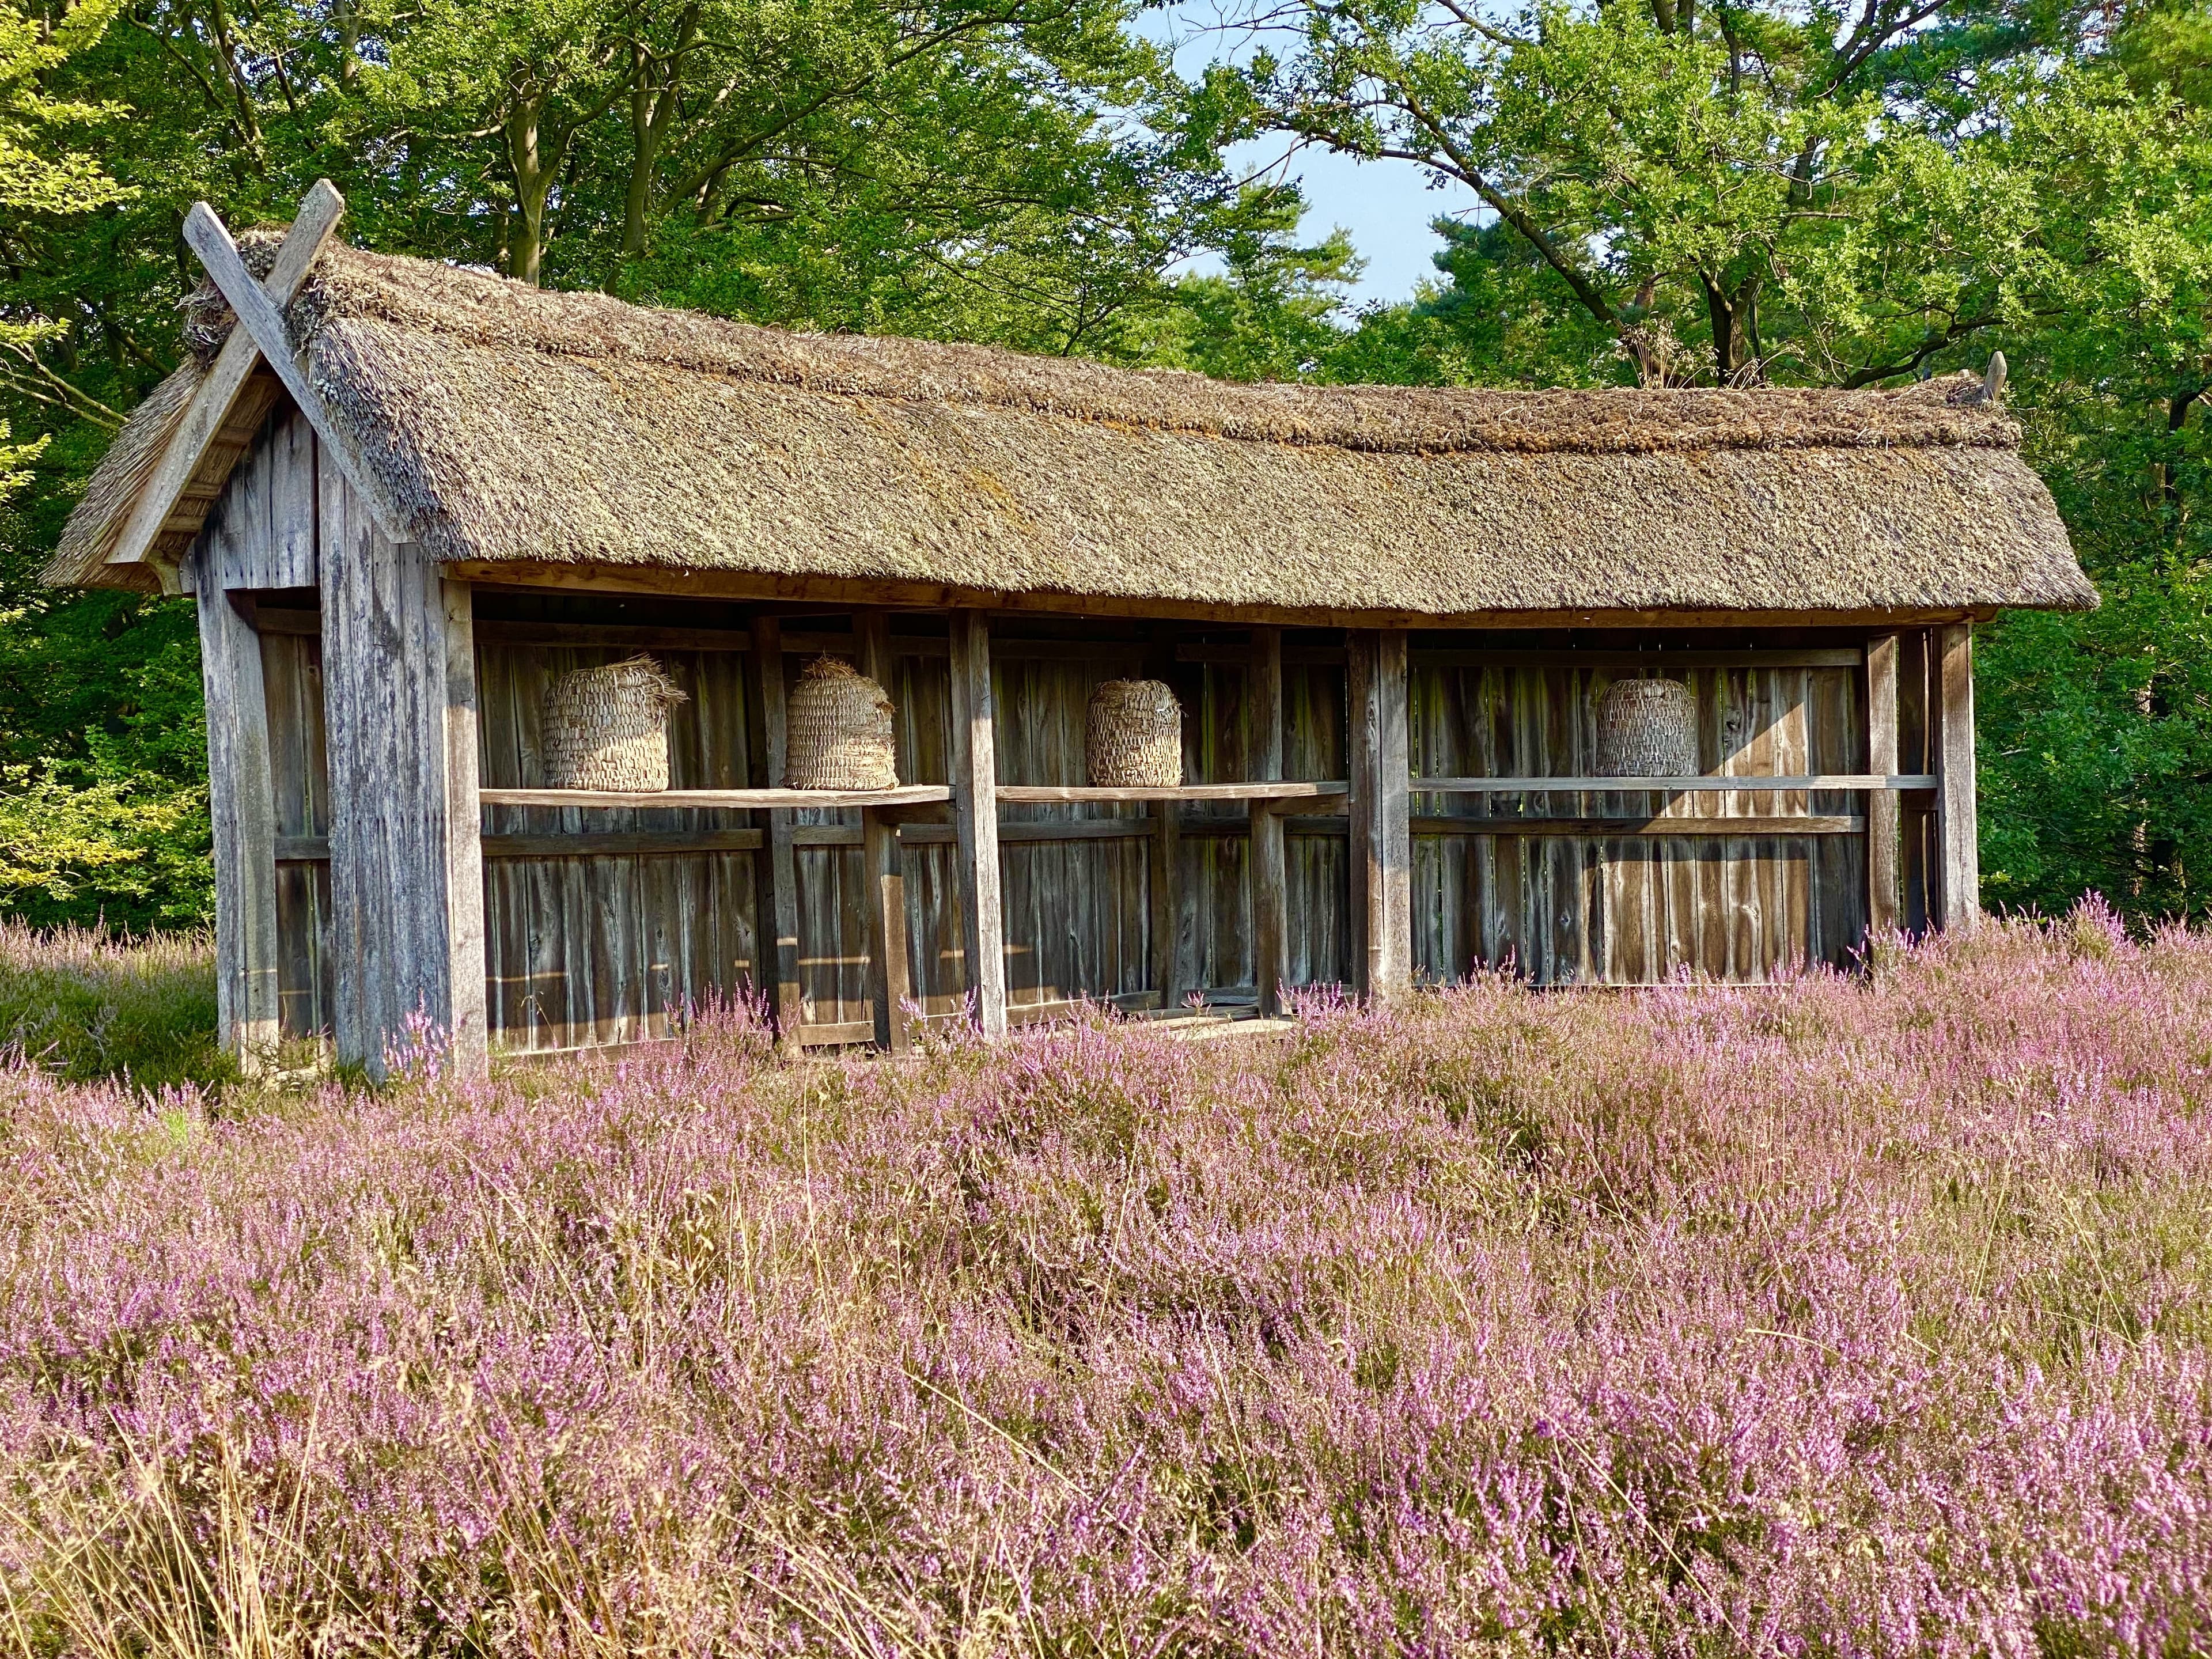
{"x": 607, "y": 728}
{"x": 1647, "y": 729}
{"x": 838, "y": 730}
{"x": 1132, "y": 737}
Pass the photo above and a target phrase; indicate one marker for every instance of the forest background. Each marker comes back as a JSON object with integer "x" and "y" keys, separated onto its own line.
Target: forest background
{"x": 1674, "y": 192}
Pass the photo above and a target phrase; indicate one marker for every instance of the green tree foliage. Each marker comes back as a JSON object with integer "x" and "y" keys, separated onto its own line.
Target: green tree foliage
{"x": 1020, "y": 171}
{"x": 1680, "y": 192}
{"x": 1674, "y": 191}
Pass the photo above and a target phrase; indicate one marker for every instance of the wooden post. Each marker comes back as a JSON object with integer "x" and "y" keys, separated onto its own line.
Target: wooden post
{"x": 1165, "y": 859}
{"x": 777, "y": 918}
{"x": 1380, "y": 806}
{"x": 242, "y": 805}
{"x": 469, "y": 1019}
{"x": 1883, "y": 806}
{"x": 885, "y": 905}
{"x": 1915, "y": 754}
{"x": 976, "y": 819}
{"x": 1957, "y": 832}
{"x": 1163, "y": 853}
{"x": 399, "y": 715}
{"x": 1267, "y": 870}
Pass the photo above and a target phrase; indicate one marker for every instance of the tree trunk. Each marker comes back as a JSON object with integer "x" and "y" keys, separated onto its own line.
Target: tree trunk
{"x": 348, "y": 21}
{"x": 644, "y": 150}
{"x": 533, "y": 177}
{"x": 654, "y": 90}
{"x": 1730, "y": 313}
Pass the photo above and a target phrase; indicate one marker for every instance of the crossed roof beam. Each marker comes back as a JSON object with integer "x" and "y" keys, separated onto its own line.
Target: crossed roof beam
{"x": 260, "y": 338}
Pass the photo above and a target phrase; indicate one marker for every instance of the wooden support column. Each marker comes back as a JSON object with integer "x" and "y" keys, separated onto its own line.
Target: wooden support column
{"x": 1381, "y": 818}
{"x": 1956, "y": 830}
{"x": 399, "y": 714}
{"x": 1266, "y": 868}
{"x": 465, "y": 884}
{"x": 1883, "y": 817}
{"x": 776, "y": 908}
{"x": 242, "y": 805}
{"x": 1921, "y": 905}
{"x": 885, "y": 901}
{"x": 976, "y": 819}
{"x": 1164, "y": 863}
{"x": 1163, "y": 853}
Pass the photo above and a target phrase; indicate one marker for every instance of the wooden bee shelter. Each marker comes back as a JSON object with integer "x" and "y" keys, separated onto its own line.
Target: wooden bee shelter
{"x": 408, "y": 499}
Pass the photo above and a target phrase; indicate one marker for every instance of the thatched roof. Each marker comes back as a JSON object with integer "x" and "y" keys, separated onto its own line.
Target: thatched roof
{"x": 510, "y": 423}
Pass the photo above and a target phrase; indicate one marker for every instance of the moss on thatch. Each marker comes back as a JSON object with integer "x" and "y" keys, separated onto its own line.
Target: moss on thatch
{"x": 514, "y": 424}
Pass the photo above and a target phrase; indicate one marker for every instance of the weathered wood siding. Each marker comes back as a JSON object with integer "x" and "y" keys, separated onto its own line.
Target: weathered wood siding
{"x": 607, "y": 948}
{"x": 1565, "y": 909}
{"x": 611, "y": 945}
{"x": 399, "y": 723}
{"x": 1075, "y": 909}
{"x": 292, "y": 673}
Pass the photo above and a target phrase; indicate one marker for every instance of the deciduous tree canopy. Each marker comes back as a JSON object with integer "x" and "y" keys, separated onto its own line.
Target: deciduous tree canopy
{"x": 1672, "y": 191}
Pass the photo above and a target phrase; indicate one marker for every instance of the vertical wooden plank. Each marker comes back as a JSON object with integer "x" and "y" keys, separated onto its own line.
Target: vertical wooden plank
{"x": 1167, "y": 896}
{"x": 1913, "y": 755}
{"x": 1266, "y": 872}
{"x": 1270, "y": 879}
{"x": 292, "y": 505}
{"x": 975, "y": 818}
{"x": 779, "y": 965}
{"x": 242, "y": 805}
{"x": 388, "y": 693}
{"x": 1954, "y": 797}
{"x": 1881, "y": 807}
{"x": 883, "y": 885}
{"x": 467, "y": 1021}
{"x": 1162, "y": 890}
{"x": 1263, "y": 705}
{"x": 885, "y": 898}
{"x": 1380, "y": 809}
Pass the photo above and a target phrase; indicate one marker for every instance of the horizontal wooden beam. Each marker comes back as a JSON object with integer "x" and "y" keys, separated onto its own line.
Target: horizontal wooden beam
{"x": 1032, "y": 1013}
{"x": 1836, "y": 781}
{"x": 733, "y": 799}
{"x": 1010, "y": 829}
{"x": 1607, "y": 827}
{"x": 654, "y": 843}
{"x": 1040, "y": 794}
{"x": 1569, "y": 657}
{"x": 618, "y": 636}
{"x": 304, "y": 624}
{"x": 1589, "y": 826}
{"x": 643, "y": 843}
{"x": 1558, "y": 657}
{"x": 840, "y": 592}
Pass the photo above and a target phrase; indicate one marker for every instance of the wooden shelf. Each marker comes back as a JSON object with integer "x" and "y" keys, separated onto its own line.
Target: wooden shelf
{"x": 1862, "y": 782}
{"x": 1606, "y": 829}
{"x": 911, "y": 794}
{"x": 1048, "y": 795}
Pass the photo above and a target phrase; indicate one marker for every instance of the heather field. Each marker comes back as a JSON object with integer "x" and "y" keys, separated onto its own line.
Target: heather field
{"x": 1849, "y": 1317}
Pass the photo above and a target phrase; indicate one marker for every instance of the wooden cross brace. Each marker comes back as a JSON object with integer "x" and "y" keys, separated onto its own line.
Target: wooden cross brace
{"x": 260, "y": 336}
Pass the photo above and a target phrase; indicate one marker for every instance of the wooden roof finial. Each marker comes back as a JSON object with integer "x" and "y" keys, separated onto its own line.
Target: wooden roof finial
{"x": 219, "y": 393}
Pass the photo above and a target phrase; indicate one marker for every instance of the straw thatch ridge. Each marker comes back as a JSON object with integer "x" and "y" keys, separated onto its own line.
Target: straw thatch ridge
{"x": 468, "y": 307}
{"x": 509, "y": 424}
